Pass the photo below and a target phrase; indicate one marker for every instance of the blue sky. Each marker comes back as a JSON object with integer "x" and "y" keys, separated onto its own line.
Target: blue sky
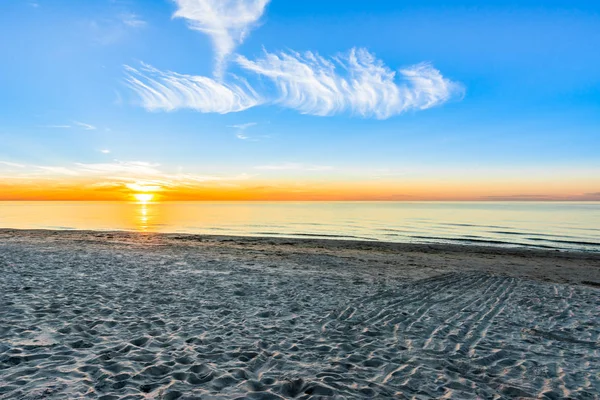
{"x": 504, "y": 89}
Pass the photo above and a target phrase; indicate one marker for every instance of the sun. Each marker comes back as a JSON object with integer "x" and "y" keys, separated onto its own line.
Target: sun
{"x": 143, "y": 197}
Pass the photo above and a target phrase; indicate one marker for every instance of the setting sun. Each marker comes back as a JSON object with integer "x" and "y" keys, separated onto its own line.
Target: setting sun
{"x": 143, "y": 197}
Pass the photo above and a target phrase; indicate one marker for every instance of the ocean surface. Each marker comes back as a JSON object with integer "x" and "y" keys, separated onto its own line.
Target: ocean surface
{"x": 559, "y": 225}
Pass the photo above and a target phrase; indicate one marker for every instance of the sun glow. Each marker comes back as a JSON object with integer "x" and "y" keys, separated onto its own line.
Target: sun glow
{"x": 143, "y": 197}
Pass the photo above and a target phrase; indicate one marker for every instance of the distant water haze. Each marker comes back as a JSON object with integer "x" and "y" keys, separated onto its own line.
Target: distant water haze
{"x": 559, "y": 225}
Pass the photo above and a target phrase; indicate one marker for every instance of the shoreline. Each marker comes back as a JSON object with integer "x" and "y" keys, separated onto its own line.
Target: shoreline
{"x": 396, "y": 258}
{"x": 418, "y": 240}
{"x": 503, "y": 247}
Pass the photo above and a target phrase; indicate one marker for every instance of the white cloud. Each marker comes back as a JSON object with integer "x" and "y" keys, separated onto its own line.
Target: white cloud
{"x": 105, "y": 151}
{"x": 85, "y": 126}
{"x": 293, "y": 167}
{"x": 354, "y": 82}
{"x": 168, "y": 91}
{"x": 227, "y": 22}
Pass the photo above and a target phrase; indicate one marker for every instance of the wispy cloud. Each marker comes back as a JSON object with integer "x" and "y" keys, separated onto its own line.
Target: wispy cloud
{"x": 192, "y": 179}
{"x": 118, "y": 101}
{"x": 354, "y": 82}
{"x": 168, "y": 91}
{"x": 293, "y": 167}
{"x": 132, "y": 20}
{"x": 56, "y": 126}
{"x": 243, "y": 127}
{"x": 105, "y": 151}
{"x": 111, "y": 29}
{"x": 227, "y": 22}
{"x": 121, "y": 173}
{"x": 85, "y": 126}
{"x": 106, "y": 32}
{"x": 12, "y": 164}
{"x": 119, "y": 167}
{"x": 54, "y": 170}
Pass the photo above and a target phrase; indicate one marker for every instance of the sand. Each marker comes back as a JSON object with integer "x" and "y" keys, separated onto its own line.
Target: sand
{"x": 138, "y": 316}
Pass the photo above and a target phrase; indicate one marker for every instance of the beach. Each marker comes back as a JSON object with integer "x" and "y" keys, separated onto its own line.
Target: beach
{"x": 117, "y": 315}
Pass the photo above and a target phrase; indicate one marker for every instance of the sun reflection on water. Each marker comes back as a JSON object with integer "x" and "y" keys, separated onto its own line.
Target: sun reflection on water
{"x": 143, "y": 217}
{"x": 144, "y": 210}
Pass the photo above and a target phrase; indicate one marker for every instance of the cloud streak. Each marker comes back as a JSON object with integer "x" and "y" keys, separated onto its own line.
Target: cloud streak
{"x": 133, "y": 175}
{"x": 56, "y": 126}
{"x": 132, "y": 20}
{"x": 53, "y": 170}
{"x": 167, "y": 91}
{"x": 243, "y": 127}
{"x": 12, "y": 164}
{"x": 355, "y": 82}
{"x": 227, "y": 22}
{"x": 119, "y": 167}
{"x": 85, "y": 126}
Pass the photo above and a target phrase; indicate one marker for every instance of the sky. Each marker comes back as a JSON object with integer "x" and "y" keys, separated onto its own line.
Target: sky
{"x": 300, "y": 100}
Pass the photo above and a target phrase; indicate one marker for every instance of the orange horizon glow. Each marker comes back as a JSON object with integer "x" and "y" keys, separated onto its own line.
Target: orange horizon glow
{"x": 431, "y": 190}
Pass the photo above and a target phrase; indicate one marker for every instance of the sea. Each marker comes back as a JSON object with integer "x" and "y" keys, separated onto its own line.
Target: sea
{"x": 551, "y": 225}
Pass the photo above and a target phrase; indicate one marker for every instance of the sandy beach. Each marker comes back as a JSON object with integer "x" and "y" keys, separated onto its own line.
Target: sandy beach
{"x": 114, "y": 315}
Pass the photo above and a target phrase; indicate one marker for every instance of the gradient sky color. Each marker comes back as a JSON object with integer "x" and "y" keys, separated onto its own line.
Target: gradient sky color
{"x": 300, "y": 100}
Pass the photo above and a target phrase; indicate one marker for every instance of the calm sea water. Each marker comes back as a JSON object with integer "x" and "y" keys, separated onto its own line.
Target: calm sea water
{"x": 549, "y": 225}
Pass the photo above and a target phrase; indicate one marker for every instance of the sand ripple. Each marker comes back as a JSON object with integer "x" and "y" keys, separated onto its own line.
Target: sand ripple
{"x": 83, "y": 321}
